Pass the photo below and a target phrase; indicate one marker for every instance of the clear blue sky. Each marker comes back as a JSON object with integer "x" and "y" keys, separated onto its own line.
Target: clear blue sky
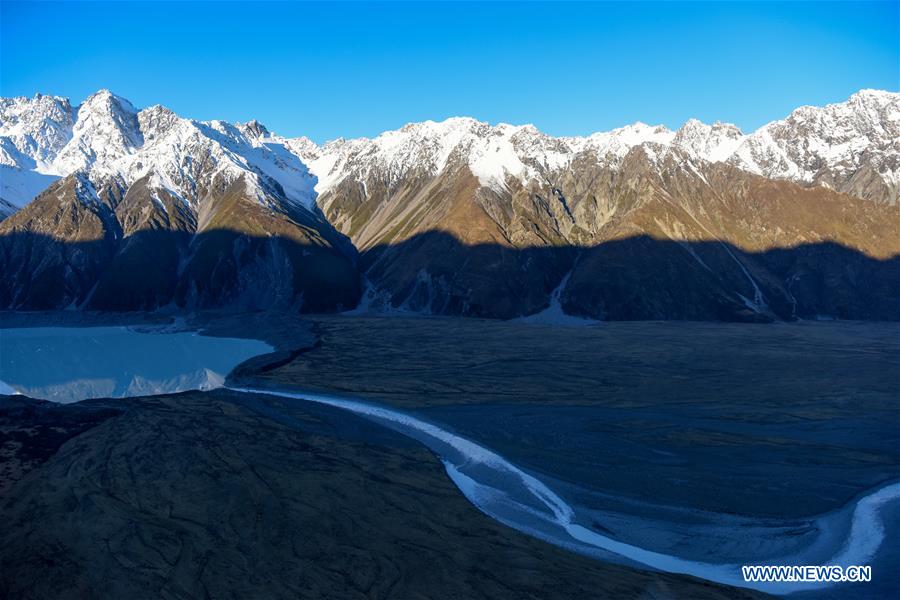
{"x": 351, "y": 69}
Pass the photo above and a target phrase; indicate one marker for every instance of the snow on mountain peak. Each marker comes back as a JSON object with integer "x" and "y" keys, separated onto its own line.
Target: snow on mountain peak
{"x": 33, "y": 130}
{"x": 155, "y": 122}
{"x": 254, "y": 129}
{"x": 829, "y": 145}
{"x": 106, "y": 127}
{"x": 427, "y": 148}
{"x": 44, "y": 137}
{"x": 103, "y": 99}
{"x": 616, "y": 143}
{"x": 714, "y": 142}
{"x": 107, "y": 138}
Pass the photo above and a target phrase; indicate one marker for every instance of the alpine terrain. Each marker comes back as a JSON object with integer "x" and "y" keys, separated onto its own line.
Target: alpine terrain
{"x": 106, "y": 206}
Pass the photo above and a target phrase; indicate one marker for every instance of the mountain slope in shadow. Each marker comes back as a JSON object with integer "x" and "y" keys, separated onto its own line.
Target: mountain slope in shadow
{"x": 658, "y": 237}
{"x": 433, "y": 273}
{"x": 635, "y": 279}
{"x": 76, "y": 246}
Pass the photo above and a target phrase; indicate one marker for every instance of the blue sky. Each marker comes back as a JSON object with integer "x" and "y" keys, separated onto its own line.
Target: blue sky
{"x": 352, "y": 69}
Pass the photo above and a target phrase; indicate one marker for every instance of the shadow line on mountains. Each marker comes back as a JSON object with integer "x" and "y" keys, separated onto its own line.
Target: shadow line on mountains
{"x": 155, "y": 268}
{"x": 636, "y": 278}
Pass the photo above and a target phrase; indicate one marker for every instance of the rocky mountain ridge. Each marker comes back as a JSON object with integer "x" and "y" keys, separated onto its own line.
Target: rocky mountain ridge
{"x": 852, "y": 146}
{"x": 798, "y": 219}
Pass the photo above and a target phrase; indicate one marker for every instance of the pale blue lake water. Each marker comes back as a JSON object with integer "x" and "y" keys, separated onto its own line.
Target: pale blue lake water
{"x": 67, "y": 364}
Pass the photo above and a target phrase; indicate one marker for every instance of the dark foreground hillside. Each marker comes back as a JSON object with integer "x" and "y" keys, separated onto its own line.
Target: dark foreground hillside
{"x": 221, "y": 495}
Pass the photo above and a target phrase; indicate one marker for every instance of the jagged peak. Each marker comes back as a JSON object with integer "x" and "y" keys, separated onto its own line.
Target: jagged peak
{"x": 38, "y": 98}
{"x": 877, "y": 94}
{"x": 636, "y": 128}
{"x": 641, "y": 126}
{"x": 727, "y": 126}
{"x": 718, "y": 126}
{"x": 104, "y": 96}
{"x": 693, "y": 123}
{"x": 156, "y": 121}
{"x": 255, "y": 128}
{"x": 692, "y": 128}
{"x": 158, "y": 109}
{"x": 434, "y": 129}
{"x": 106, "y": 99}
{"x": 455, "y": 125}
{"x": 107, "y": 131}
{"x": 304, "y": 147}
{"x": 860, "y": 101}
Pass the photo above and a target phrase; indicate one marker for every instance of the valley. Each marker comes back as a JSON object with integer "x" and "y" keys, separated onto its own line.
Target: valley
{"x": 668, "y": 436}
{"x": 666, "y": 353}
{"x": 312, "y": 503}
{"x": 450, "y": 300}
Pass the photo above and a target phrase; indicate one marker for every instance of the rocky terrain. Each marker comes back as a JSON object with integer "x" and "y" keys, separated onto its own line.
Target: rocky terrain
{"x": 146, "y": 209}
{"x": 236, "y": 495}
{"x": 226, "y": 495}
{"x": 31, "y": 431}
{"x": 802, "y": 415}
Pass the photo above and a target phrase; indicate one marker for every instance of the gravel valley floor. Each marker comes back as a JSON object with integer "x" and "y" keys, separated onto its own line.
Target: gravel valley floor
{"x": 229, "y": 495}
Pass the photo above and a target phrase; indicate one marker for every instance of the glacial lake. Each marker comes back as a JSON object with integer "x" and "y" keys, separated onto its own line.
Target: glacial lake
{"x": 68, "y": 364}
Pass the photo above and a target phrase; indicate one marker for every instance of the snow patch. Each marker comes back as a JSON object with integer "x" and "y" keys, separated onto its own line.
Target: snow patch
{"x": 554, "y": 314}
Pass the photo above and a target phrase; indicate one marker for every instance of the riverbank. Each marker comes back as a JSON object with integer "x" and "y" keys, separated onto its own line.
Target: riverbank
{"x": 666, "y": 436}
{"x": 221, "y": 495}
{"x": 782, "y": 420}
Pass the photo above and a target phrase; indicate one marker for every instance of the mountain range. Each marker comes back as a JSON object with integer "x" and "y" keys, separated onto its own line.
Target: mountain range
{"x": 108, "y": 207}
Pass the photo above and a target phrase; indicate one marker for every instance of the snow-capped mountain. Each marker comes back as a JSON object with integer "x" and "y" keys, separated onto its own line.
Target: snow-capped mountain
{"x": 715, "y": 143}
{"x": 843, "y": 146}
{"x": 109, "y": 140}
{"x": 32, "y": 132}
{"x": 142, "y": 208}
{"x": 494, "y": 153}
{"x": 145, "y": 208}
{"x": 106, "y": 128}
{"x": 852, "y": 146}
{"x": 34, "y": 129}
